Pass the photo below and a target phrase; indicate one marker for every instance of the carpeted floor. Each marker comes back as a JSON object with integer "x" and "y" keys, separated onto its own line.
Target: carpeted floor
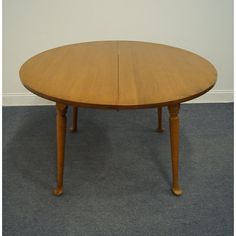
{"x": 117, "y": 173}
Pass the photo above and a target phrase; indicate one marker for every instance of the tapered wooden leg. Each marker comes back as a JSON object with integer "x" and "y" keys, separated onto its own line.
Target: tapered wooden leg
{"x": 74, "y": 120}
{"x": 61, "y": 131}
{"x": 159, "y": 123}
{"x": 174, "y": 140}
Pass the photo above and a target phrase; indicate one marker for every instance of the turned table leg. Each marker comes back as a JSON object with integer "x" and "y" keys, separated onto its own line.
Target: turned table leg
{"x": 159, "y": 123}
{"x": 174, "y": 140}
{"x": 74, "y": 120}
{"x": 61, "y": 131}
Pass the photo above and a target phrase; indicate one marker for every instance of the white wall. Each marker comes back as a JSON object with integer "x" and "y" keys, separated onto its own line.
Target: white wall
{"x": 32, "y": 26}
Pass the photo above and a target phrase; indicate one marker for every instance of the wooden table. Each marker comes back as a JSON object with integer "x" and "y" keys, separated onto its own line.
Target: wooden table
{"x": 118, "y": 75}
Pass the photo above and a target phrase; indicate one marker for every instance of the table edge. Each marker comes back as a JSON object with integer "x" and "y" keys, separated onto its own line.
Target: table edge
{"x": 117, "y": 106}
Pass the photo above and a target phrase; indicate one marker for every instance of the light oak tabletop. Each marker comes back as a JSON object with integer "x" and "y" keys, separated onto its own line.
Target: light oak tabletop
{"x": 118, "y": 74}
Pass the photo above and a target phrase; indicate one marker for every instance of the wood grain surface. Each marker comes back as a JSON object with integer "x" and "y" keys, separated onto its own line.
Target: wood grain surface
{"x": 118, "y": 74}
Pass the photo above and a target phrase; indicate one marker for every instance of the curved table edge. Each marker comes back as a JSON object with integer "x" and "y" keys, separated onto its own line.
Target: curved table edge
{"x": 116, "y": 106}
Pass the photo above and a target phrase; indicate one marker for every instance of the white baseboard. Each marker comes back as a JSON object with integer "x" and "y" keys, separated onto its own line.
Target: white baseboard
{"x": 24, "y": 99}
{"x": 215, "y": 96}
{"x": 29, "y": 99}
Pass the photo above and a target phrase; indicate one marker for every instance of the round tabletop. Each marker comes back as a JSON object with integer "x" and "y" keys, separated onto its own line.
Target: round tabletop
{"x": 118, "y": 74}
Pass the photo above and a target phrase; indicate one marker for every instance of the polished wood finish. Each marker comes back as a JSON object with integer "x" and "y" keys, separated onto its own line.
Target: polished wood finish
{"x": 174, "y": 140}
{"x": 159, "y": 123}
{"x": 118, "y": 74}
{"x": 74, "y": 119}
{"x": 79, "y": 74}
{"x": 61, "y": 132}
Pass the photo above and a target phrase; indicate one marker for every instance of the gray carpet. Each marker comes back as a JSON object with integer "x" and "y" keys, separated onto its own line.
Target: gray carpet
{"x": 117, "y": 173}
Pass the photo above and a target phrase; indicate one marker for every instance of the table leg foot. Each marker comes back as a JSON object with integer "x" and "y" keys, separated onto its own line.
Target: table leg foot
{"x": 177, "y": 191}
{"x": 58, "y": 191}
{"x": 72, "y": 130}
{"x": 74, "y": 120}
{"x": 160, "y": 130}
{"x": 159, "y": 123}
